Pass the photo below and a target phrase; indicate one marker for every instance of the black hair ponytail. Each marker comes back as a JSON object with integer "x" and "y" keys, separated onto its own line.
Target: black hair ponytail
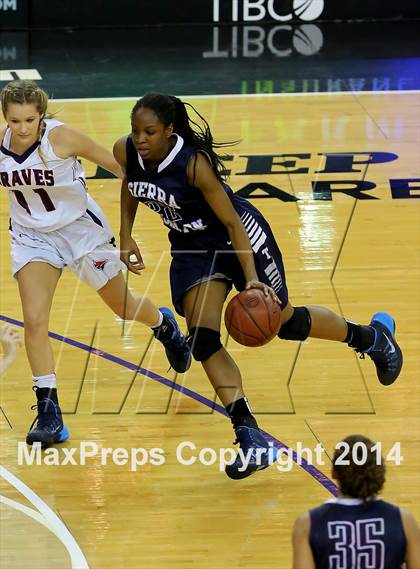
{"x": 171, "y": 110}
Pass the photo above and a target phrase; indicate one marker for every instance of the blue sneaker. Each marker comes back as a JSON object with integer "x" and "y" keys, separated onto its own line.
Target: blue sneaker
{"x": 50, "y": 428}
{"x": 385, "y": 352}
{"x": 177, "y": 349}
{"x": 253, "y": 445}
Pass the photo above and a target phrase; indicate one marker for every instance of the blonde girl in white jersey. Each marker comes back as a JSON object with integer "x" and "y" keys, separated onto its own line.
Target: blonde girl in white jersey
{"x": 54, "y": 224}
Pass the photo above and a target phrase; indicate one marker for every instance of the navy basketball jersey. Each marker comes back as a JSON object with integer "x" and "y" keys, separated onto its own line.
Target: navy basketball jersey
{"x": 348, "y": 534}
{"x": 182, "y": 207}
{"x": 200, "y": 245}
{"x": 166, "y": 191}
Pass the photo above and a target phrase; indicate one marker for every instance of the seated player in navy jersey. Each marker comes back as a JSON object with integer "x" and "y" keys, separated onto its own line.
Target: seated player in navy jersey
{"x": 219, "y": 239}
{"x": 357, "y": 530}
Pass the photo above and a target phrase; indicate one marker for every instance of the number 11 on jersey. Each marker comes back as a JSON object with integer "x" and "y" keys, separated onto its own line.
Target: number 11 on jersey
{"x": 43, "y": 194}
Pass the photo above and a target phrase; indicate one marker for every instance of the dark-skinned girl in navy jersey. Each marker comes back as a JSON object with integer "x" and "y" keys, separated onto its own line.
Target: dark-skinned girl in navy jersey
{"x": 219, "y": 240}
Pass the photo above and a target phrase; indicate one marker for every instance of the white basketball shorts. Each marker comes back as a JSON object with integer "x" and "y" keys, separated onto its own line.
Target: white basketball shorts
{"x": 86, "y": 246}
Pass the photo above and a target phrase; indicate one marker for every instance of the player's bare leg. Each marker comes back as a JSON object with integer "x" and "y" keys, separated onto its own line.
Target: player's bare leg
{"x": 203, "y": 309}
{"x": 118, "y": 297}
{"x": 377, "y": 339}
{"x": 37, "y": 283}
{"x": 325, "y": 324}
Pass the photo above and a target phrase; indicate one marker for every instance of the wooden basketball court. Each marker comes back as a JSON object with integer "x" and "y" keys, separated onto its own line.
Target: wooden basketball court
{"x": 356, "y": 253}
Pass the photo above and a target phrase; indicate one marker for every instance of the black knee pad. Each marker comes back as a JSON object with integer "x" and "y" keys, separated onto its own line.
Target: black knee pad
{"x": 204, "y": 342}
{"x": 298, "y": 326}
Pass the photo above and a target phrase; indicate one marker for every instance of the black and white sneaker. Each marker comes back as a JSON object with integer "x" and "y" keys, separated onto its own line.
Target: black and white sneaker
{"x": 49, "y": 428}
{"x": 176, "y": 346}
{"x": 385, "y": 352}
{"x": 255, "y": 453}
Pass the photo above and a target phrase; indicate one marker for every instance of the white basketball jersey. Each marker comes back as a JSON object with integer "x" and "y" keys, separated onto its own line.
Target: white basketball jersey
{"x": 45, "y": 193}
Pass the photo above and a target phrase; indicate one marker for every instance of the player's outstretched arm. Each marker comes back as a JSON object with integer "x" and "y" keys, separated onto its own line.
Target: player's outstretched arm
{"x": 302, "y": 553}
{"x": 412, "y": 534}
{"x": 10, "y": 341}
{"x": 129, "y": 252}
{"x": 68, "y": 141}
{"x": 201, "y": 176}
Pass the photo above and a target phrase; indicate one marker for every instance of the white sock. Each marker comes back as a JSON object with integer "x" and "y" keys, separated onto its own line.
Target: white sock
{"x": 49, "y": 381}
{"x": 160, "y": 320}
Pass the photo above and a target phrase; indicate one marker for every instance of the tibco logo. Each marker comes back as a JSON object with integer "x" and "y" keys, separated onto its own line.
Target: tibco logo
{"x": 8, "y": 5}
{"x": 255, "y": 10}
{"x": 280, "y": 40}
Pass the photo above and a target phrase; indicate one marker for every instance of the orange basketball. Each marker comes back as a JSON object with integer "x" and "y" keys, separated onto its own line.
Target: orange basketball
{"x": 252, "y": 319}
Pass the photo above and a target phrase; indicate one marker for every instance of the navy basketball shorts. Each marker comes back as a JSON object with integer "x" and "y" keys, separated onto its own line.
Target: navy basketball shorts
{"x": 192, "y": 266}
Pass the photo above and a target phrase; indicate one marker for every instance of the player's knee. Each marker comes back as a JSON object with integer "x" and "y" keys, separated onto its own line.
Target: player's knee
{"x": 298, "y": 326}
{"x": 204, "y": 342}
{"x": 36, "y": 323}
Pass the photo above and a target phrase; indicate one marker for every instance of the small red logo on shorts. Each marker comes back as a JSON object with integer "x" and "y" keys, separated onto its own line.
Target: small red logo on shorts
{"x": 100, "y": 265}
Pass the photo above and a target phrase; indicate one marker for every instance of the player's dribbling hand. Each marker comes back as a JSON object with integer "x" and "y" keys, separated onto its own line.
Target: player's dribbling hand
{"x": 267, "y": 290}
{"x": 10, "y": 340}
{"x": 130, "y": 255}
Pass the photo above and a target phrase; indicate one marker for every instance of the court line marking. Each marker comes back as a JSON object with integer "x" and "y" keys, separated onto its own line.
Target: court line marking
{"x": 246, "y": 95}
{"x": 45, "y": 516}
{"x": 309, "y": 468}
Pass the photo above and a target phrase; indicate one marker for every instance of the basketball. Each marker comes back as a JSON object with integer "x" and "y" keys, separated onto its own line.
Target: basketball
{"x": 252, "y": 319}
